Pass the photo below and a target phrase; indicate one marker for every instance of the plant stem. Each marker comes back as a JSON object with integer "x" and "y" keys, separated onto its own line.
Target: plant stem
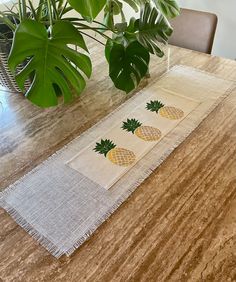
{"x": 6, "y": 21}
{"x": 101, "y": 24}
{"x": 83, "y": 20}
{"x": 55, "y": 11}
{"x": 92, "y": 28}
{"x": 63, "y": 9}
{"x": 24, "y": 12}
{"x": 50, "y": 15}
{"x": 96, "y": 29}
{"x": 20, "y": 10}
{"x": 86, "y": 34}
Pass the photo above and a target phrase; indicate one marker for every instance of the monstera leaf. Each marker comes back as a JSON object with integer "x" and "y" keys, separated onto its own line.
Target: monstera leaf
{"x": 169, "y": 8}
{"x": 52, "y": 64}
{"x": 112, "y": 8}
{"x": 127, "y": 65}
{"x": 88, "y": 8}
{"x": 152, "y": 28}
{"x": 115, "y": 7}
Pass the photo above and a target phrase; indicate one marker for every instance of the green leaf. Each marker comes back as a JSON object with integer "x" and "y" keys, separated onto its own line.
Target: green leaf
{"x": 108, "y": 48}
{"x": 121, "y": 27}
{"x": 104, "y": 146}
{"x": 112, "y": 8}
{"x": 154, "y": 106}
{"x": 128, "y": 65}
{"x": 153, "y": 28}
{"x": 88, "y": 8}
{"x": 169, "y": 8}
{"x": 131, "y": 125}
{"x": 51, "y": 62}
{"x": 133, "y": 25}
{"x": 108, "y": 19}
{"x": 116, "y": 7}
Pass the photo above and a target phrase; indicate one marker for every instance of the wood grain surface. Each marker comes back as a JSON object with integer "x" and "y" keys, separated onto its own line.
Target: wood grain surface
{"x": 179, "y": 225}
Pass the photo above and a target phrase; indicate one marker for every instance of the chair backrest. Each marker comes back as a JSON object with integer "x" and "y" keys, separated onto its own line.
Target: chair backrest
{"x": 194, "y": 30}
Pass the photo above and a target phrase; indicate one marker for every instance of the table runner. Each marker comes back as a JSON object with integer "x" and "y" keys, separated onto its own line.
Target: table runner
{"x": 61, "y": 202}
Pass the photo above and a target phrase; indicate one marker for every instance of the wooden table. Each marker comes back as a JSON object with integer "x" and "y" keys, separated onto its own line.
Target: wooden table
{"x": 183, "y": 231}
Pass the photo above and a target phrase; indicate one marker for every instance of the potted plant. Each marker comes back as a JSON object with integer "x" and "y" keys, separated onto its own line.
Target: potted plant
{"x": 45, "y": 32}
{"x": 7, "y": 25}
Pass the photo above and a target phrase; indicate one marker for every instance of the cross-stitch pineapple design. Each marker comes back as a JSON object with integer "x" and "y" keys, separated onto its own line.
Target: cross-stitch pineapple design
{"x": 146, "y": 133}
{"x": 165, "y": 111}
{"x": 118, "y": 156}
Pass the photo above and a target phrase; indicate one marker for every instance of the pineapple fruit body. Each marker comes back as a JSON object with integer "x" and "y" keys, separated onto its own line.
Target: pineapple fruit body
{"x": 148, "y": 133}
{"x": 121, "y": 156}
{"x": 171, "y": 113}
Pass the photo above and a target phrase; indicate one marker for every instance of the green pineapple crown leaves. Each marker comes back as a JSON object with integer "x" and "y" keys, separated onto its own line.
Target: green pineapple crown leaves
{"x": 154, "y": 106}
{"x": 131, "y": 125}
{"x": 104, "y": 146}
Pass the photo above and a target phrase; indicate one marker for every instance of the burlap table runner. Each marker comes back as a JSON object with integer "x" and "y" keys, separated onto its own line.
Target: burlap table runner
{"x": 64, "y": 200}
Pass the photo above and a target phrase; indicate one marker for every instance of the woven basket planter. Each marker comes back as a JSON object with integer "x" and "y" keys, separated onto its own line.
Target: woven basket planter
{"x": 6, "y": 77}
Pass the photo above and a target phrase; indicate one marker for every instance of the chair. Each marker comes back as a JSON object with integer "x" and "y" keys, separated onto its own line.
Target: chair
{"x": 194, "y": 30}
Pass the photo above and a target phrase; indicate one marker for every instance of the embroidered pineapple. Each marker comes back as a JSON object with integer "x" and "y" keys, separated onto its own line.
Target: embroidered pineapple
{"x": 147, "y": 133}
{"x": 118, "y": 156}
{"x": 165, "y": 111}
